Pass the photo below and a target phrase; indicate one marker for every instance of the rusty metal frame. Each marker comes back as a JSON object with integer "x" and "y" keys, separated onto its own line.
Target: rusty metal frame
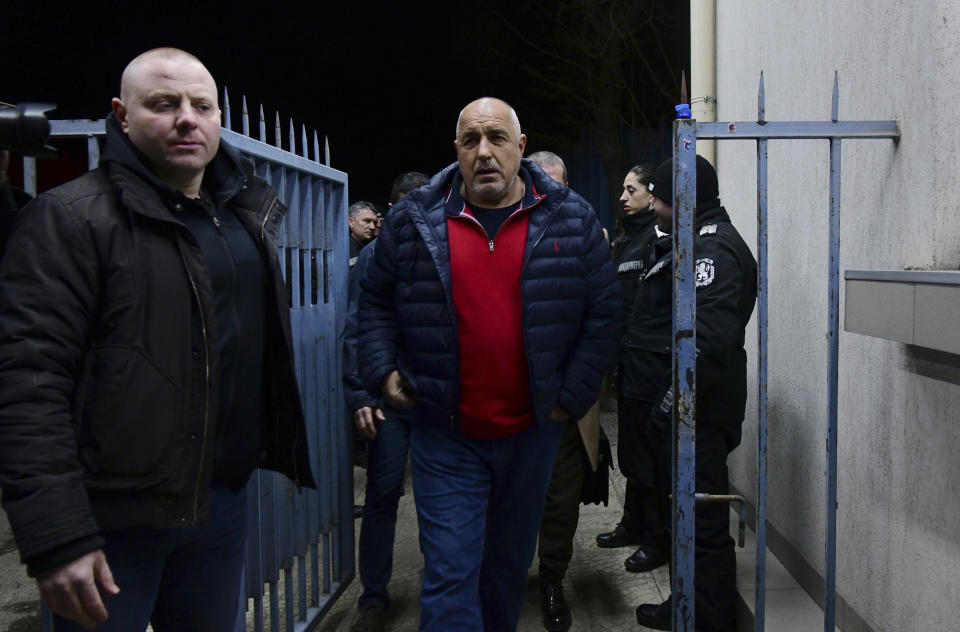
{"x": 686, "y": 132}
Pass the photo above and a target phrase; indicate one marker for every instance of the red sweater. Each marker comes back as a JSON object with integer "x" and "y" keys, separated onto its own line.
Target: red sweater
{"x": 494, "y": 376}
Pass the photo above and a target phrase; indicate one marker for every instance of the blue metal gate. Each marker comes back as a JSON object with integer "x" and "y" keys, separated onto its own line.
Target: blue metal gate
{"x": 686, "y": 131}
{"x": 300, "y": 552}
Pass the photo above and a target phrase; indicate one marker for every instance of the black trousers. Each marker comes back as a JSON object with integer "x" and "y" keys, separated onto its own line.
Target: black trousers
{"x": 715, "y": 573}
{"x": 644, "y": 504}
{"x": 561, "y": 513}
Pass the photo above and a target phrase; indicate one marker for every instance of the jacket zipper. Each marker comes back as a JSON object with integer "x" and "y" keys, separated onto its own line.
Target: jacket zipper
{"x": 266, "y": 217}
{"x": 206, "y": 385}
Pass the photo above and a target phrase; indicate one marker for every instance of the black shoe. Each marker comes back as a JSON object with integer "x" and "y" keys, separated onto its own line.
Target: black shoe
{"x": 357, "y": 511}
{"x": 369, "y": 619}
{"x": 646, "y": 558}
{"x": 620, "y": 536}
{"x": 556, "y": 613}
{"x": 655, "y": 616}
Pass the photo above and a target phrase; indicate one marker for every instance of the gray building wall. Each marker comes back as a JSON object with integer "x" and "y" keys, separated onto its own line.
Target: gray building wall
{"x": 899, "y": 427}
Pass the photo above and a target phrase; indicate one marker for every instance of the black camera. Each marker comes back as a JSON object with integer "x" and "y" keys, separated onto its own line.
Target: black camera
{"x": 24, "y": 129}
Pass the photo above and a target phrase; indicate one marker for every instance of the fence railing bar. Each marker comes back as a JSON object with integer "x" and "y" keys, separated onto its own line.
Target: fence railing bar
{"x": 762, "y": 295}
{"x": 262, "y": 125}
{"x": 316, "y": 148}
{"x": 326, "y": 150}
{"x": 833, "y": 364}
{"x": 684, "y": 379}
{"x": 276, "y": 131}
{"x": 245, "y": 118}
{"x": 226, "y": 109}
{"x": 772, "y": 130}
{"x": 293, "y": 138}
{"x": 30, "y": 175}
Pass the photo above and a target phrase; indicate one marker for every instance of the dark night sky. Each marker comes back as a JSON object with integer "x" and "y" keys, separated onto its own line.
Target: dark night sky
{"x": 384, "y": 82}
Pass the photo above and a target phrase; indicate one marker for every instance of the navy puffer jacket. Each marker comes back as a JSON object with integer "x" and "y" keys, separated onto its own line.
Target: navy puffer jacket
{"x": 572, "y": 306}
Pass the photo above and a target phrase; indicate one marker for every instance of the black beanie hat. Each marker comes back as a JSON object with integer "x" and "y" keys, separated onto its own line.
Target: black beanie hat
{"x": 661, "y": 184}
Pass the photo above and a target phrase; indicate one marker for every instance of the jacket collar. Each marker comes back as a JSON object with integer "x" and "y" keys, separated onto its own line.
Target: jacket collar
{"x": 225, "y": 176}
{"x": 456, "y": 205}
{"x": 636, "y": 223}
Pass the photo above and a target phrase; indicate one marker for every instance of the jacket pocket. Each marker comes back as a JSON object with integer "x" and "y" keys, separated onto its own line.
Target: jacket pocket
{"x": 130, "y": 422}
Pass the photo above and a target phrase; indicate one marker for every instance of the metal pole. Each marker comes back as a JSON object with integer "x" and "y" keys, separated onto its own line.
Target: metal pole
{"x": 833, "y": 336}
{"x": 684, "y": 372}
{"x": 762, "y": 329}
{"x": 93, "y": 153}
{"x": 30, "y": 175}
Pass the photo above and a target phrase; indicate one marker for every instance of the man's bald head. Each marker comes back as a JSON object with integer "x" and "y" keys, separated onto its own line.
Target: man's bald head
{"x": 133, "y": 73}
{"x": 168, "y": 108}
{"x": 491, "y": 104}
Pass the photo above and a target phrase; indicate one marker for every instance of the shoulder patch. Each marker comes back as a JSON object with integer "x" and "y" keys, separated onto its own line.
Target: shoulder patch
{"x": 705, "y": 272}
{"x": 709, "y": 229}
{"x": 630, "y": 266}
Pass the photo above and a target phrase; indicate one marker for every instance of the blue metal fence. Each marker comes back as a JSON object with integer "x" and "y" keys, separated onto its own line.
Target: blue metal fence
{"x": 686, "y": 133}
{"x": 300, "y": 552}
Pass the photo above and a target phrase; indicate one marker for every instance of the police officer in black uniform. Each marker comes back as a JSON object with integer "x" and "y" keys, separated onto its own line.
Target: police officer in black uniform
{"x": 642, "y": 522}
{"x": 726, "y": 290}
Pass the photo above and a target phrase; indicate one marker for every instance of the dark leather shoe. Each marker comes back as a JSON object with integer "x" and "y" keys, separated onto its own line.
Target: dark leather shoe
{"x": 646, "y": 558}
{"x": 655, "y": 615}
{"x": 620, "y": 536}
{"x": 556, "y": 613}
{"x": 370, "y": 619}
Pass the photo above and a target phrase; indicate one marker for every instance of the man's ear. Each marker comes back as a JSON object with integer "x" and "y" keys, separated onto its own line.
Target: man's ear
{"x": 120, "y": 113}
{"x": 523, "y": 143}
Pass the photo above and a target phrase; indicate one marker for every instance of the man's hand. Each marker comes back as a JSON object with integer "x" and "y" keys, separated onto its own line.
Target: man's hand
{"x": 397, "y": 392}
{"x": 559, "y": 414}
{"x": 71, "y": 590}
{"x": 364, "y": 419}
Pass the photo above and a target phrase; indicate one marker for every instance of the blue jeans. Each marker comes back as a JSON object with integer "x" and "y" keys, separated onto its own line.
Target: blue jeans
{"x": 179, "y": 580}
{"x": 386, "y": 464}
{"x": 479, "y": 505}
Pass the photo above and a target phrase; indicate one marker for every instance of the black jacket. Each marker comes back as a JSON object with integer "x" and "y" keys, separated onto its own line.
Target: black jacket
{"x": 109, "y": 362}
{"x": 632, "y": 254}
{"x": 726, "y": 280}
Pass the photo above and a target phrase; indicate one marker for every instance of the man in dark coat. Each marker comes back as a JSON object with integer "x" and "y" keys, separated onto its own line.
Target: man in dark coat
{"x": 146, "y": 366}
{"x": 726, "y": 290}
{"x": 492, "y": 309}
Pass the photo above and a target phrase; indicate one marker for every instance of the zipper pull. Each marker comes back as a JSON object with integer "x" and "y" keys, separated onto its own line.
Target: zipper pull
{"x": 491, "y": 245}
{"x": 216, "y": 221}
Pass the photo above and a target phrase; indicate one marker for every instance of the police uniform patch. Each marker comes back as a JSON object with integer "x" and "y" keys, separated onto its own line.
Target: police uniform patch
{"x": 709, "y": 229}
{"x": 705, "y": 272}
{"x": 656, "y": 268}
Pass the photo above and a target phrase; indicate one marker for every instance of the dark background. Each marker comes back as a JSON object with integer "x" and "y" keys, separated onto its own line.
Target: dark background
{"x": 593, "y": 80}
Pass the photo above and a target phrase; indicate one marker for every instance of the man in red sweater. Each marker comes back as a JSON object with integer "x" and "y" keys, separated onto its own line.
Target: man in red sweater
{"x": 490, "y": 308}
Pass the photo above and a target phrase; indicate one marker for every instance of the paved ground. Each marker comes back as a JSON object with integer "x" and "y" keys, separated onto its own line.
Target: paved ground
{"x": 601, "y": 594}
{"x": 19, "y": 605}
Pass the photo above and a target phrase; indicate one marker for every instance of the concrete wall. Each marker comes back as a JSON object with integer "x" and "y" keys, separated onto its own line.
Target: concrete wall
{"x": 899, "y": 437}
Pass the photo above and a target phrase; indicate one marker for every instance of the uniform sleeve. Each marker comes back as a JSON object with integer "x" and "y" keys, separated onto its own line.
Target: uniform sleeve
{"x": 48, "y": 299}
{"x": 595, "y": 348}
{"x": 720, "y": 283}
